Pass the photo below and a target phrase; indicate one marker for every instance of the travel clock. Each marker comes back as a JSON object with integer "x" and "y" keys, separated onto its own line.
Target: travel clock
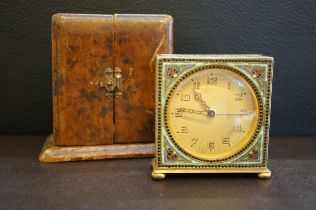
{"x": 212, "y": 114}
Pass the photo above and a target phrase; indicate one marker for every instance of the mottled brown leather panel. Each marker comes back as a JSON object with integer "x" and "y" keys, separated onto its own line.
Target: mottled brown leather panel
{"x": 82, "y": 50}
{"x": 138, "y": 38}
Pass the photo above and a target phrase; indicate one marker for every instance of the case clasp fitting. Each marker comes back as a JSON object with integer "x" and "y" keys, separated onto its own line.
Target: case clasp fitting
{"x": 112, "y": 82}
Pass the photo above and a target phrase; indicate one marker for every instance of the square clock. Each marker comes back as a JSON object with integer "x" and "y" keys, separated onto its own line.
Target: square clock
{"x": 212, "y": 114}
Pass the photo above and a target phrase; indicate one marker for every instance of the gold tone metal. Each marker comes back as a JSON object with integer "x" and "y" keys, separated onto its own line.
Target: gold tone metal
{"x": 158, "y": 176}
{"x": 112, "y": 82}
{"x": 118, "y": 81}
{"x": 262, "y": 173}
{"x": 265, "y": 175}
{"x": 191, "y": 111}
{"x": 155, "y": 175}
{"x": 222, "y": 98}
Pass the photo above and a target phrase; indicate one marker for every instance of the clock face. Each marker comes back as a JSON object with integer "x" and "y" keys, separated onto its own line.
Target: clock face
{"x": 212, "y": 113}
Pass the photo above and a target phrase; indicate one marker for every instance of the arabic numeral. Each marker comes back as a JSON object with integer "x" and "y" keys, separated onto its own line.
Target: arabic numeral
{"x": 211, "y": 146}
{"x": 212, "y": 80}
{"x": 178, "y": 114}
{"x": 229, "y": 84}
{"x": 183, "y": 129}
{"x": 185, "y": 97}
{"x": 243, "y": 111}
{"x": 238, "y": 96}
{"x": 196, "y": 85}
{"x": 238, "y": 128}
{"x": 194, "y": 141}
{"x": 226, "y": 140}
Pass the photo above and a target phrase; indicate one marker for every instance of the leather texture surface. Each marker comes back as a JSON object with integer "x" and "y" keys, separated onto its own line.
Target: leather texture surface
{"x": 283, "y": 29}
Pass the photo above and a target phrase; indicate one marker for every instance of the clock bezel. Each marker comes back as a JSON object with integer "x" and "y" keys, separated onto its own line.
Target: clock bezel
{"x": 246, "y": 143}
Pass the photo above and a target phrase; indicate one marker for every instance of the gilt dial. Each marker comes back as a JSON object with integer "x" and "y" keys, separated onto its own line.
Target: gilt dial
{"x": 212, "y": 113}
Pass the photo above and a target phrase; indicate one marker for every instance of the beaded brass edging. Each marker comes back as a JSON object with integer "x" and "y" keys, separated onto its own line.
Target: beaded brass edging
{"x": 260, "y": 107}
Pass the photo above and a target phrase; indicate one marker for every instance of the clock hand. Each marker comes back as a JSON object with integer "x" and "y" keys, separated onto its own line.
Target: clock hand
{"x": 211, "y": 112}
{"x": 198, "y": 97}
{"x": 191, "y": 111}
{"x": 244, "y": 113}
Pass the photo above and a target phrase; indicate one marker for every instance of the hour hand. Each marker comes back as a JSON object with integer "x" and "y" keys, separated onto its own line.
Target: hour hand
{"x": 198, "y": 97}
{"x": 191, "y": 111}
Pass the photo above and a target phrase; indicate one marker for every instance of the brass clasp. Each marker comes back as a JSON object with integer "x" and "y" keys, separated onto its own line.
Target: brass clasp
{"x": 112, "y": 82}
{"x": 118, "y": 80}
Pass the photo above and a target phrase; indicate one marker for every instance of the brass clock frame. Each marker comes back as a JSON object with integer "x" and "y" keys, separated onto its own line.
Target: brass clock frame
{"x": 179, "y": 161}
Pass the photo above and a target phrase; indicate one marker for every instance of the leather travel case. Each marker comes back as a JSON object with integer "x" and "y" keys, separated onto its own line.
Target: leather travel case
{"x": 103, "y": 69}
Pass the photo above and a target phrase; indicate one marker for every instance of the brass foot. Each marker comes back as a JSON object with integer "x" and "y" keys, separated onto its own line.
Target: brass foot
{"x": 264, "y": 175}
{"x": 158, "y": 176}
